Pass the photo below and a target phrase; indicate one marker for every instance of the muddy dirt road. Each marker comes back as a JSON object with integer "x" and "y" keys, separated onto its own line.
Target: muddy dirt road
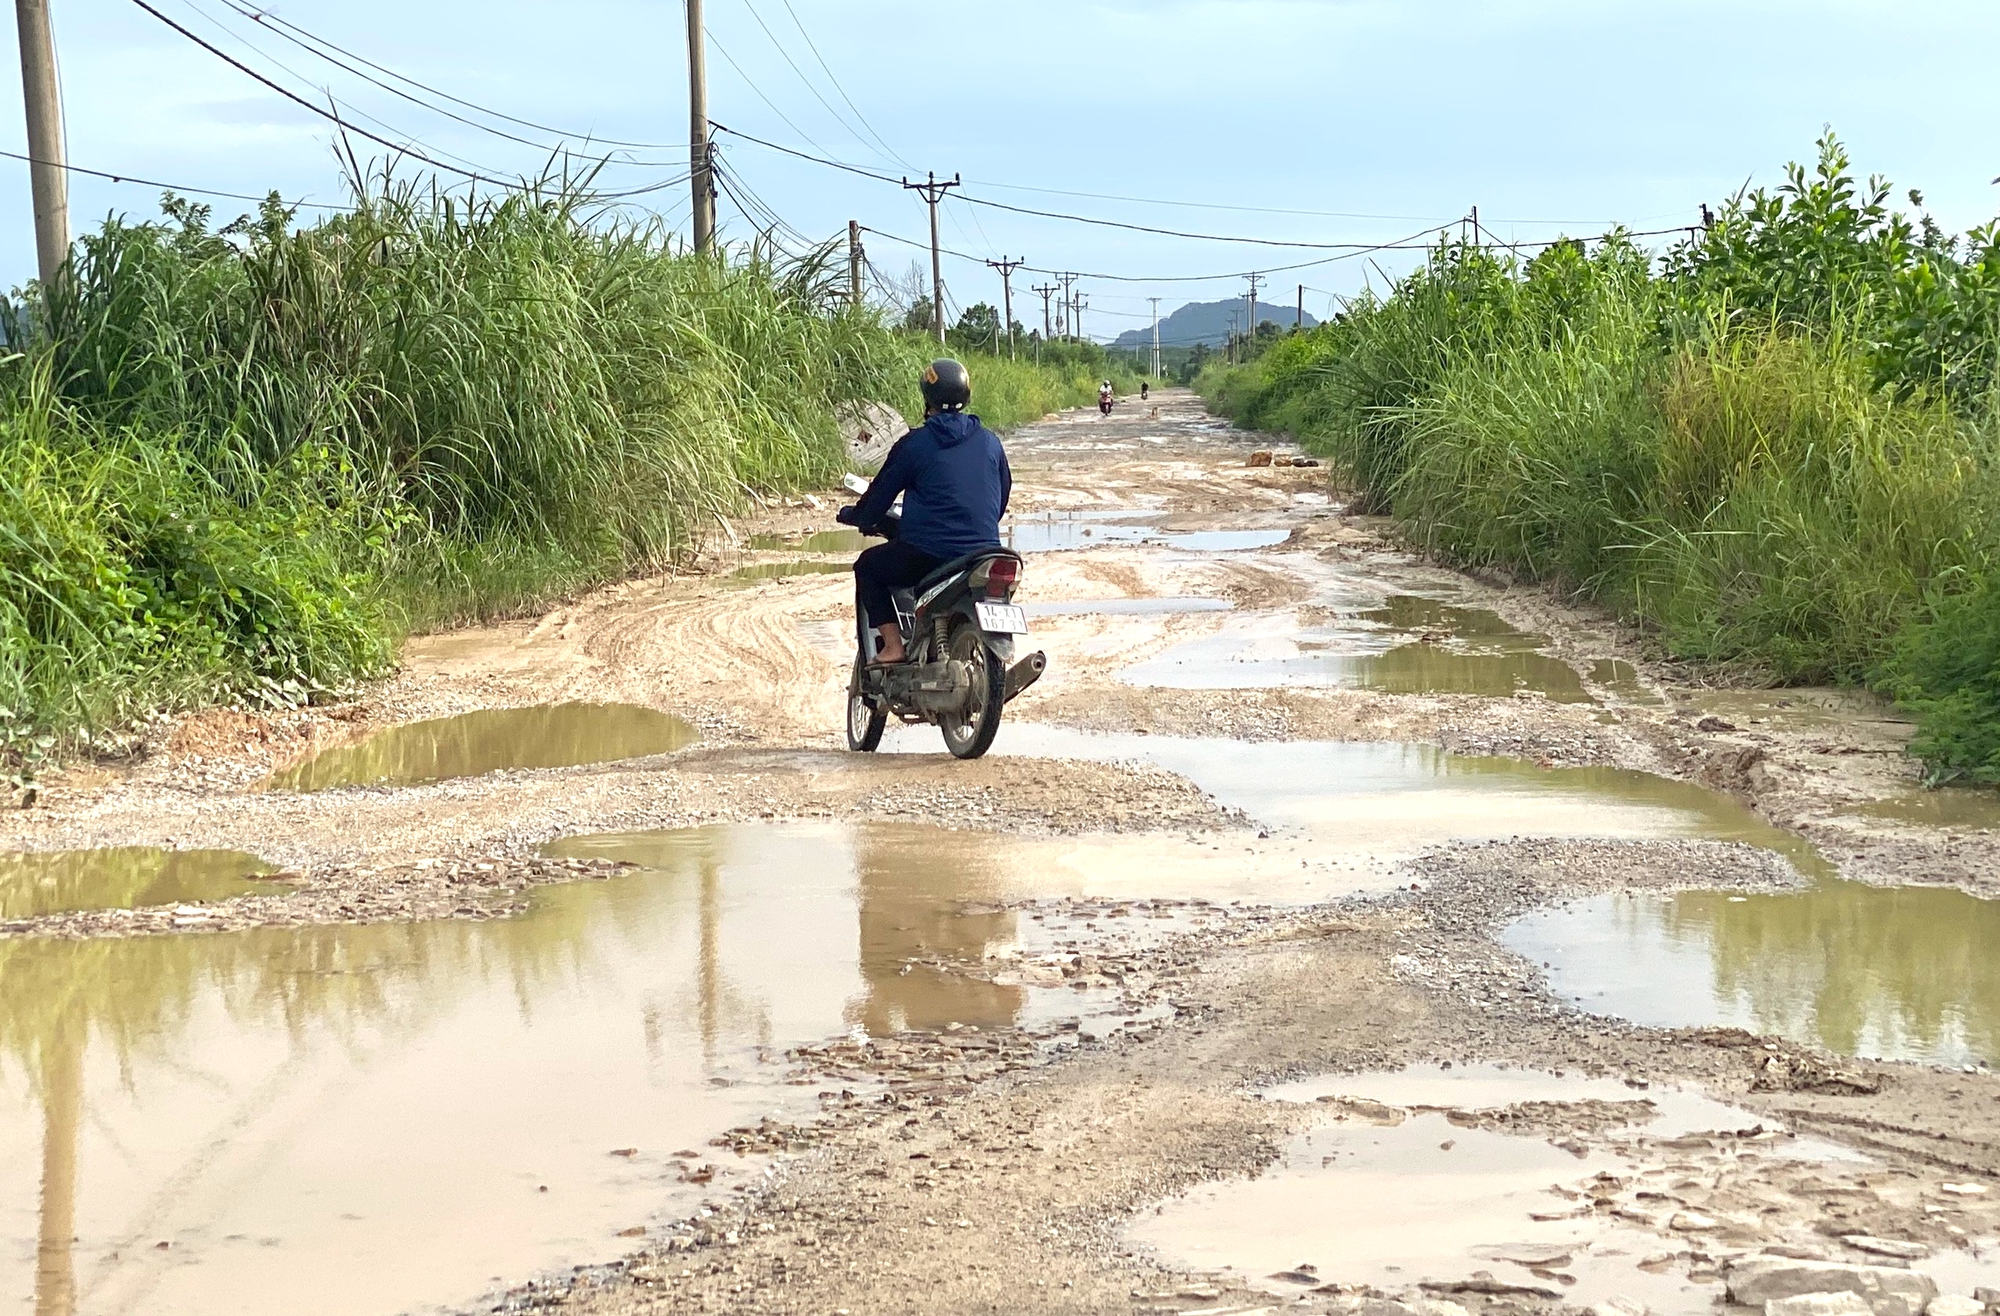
{"x": 1328, "y": 931}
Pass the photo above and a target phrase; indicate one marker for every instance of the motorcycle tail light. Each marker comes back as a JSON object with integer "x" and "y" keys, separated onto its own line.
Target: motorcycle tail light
{"x": 1001, "y": 573}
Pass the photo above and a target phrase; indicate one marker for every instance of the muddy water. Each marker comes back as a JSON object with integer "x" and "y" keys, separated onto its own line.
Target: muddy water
{"x": 1349, "y": 810}
{"x": 1395, "y": 1191}
{"x": 124, "y": 877}
{"x": 823, "y": 541}
{"x": 544, "y": 736}
{"x": 1891, "y": 972}
{"x": 381, "y": 1118}
{"x": 1140, "y": 607}
{"x": 1407, "y": 645}
{"x": 1050, "y": 532}
{"x": 757, "y": 571}
{"x": 1960, "y": 808}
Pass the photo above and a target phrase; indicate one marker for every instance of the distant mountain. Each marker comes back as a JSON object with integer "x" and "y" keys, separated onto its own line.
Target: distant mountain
{"x": 1209, "y": 322}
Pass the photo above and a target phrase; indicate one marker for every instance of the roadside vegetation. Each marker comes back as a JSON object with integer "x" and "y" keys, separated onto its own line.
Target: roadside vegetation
{"x": 1774, "y": 446}
{"x": 239, "y": 462}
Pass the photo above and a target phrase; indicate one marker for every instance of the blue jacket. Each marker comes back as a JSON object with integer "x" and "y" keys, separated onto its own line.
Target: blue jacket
{"x": 952, "y": 473}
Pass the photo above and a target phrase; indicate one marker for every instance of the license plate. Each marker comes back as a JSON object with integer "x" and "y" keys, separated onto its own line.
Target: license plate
{"x": 1003, "y": 618}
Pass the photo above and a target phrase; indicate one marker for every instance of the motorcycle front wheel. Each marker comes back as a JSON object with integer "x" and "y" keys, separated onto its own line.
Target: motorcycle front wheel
{"x": 864, "y": 720}
{"x": 970, "y": 734}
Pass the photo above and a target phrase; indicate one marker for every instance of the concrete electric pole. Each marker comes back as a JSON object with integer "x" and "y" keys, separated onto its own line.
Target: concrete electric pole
{"x": 1007, "y": 268}
{"x": 701, "y": 161}
{"x": 48, "y": 179}
{"x": 1253, "y": 311}
{"x": 933, "y": 193}
{"x": 854, "y": 262}
{"x": 1156, "y": 335}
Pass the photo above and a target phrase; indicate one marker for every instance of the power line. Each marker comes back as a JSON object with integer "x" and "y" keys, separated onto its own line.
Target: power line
{"x": 329, "y": 115}
{"x": 173, "y": 187}
{"x": 306, "y": 42}
{"x": 269, "y": 19}
{"x": 786, "y": 55}
{"x": 814, "y": 47}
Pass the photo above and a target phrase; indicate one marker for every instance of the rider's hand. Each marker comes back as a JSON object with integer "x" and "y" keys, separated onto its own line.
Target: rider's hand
{"x": 846, "y": 515}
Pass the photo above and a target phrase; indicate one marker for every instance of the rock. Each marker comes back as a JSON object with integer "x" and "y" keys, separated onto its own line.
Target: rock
{"x": 1888, "y": 1291}
{"x": 1990, "y": 1297}
{"x": 1886, "y": 1247}
{"x": 1952, "y": 1304}
{"x": 1819, "y": 1304}
{"x": 1714, "y": 724}
{"x": 1261, "y": 457}
{"x": 1619, "y": 1307}
{"x": 1963, "y": 1189}
{"x": 870, "y": 431}
{"x": 1692, "y": 1222}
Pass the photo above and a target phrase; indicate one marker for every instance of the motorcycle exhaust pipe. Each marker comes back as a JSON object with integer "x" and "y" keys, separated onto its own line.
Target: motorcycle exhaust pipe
{"x": 1025, "y": 673}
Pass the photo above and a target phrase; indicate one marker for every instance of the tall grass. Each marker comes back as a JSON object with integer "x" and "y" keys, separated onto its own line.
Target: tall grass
{"x": 1776, "y": 450}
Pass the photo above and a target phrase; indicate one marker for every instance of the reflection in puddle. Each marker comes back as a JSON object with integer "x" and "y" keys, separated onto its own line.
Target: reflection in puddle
{"x": 124, "y": 877}
{"x": 1621, "y": 678}
{"x": 1380, "y": 801}
{"x": 757, "y": 571}
{"x": 545, "y": 736}
{"x": 1147, "y": 607}
{"x": 1410, "y": 645}
{"x": 1416, "y": 1181}
{"x": 379, "y": 1118}
{"x": 1903, "y": 973}
{"x": 1050, "y": 532}
{"x": 822, "y": 541}
{"x": 1961, "y": 808}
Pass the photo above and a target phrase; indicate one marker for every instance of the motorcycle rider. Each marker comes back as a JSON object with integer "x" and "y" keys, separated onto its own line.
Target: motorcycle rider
{"x": 1145, "y": 390}
{"x": 955, "y": 482}
{"x": 1104, "y": 397}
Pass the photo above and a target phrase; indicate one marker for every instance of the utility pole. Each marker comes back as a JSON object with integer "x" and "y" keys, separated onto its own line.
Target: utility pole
{"x": 48, "y": 179}
{"x": 1475, "y": 228}
{"x": 933, "y": 193}
{"x": 1046, "y": 290}
{"x": 1082, "y": 304}
{"x": 1065, "y": 315}
{"x": 701, "y": 160}
{"x": 1253, "y": 310}
{"x": 854, "y": 258}
{"x": 1007, "y": 268}
{"x": 1300, "y": 323}
{"x": 1156, "y": 335}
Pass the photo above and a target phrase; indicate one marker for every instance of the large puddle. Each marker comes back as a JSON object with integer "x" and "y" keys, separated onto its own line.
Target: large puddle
{"x": 1432, "y": 1175}
{"x": 1348, "y": 810}
{"x": 1053, "y": 532}
{"x": 1906, "y": 973}
{"x": 1407, "y": 645}
{"x": 384, "y": 1118}
{"x": 544, "y": 736}
{"x": 1959, "y": 808}
{"x": 124, "y": 877}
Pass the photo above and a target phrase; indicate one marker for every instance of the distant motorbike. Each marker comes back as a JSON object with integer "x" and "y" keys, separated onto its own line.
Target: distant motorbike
{"x": 959, "y": 626}
{"x": 1104, "y": 406}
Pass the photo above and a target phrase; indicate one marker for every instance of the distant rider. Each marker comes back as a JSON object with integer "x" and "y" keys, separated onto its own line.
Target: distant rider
{"x": 953, "y": 475}
{"x": 1104, "y": 397}
{"x": 1145, "y": 390}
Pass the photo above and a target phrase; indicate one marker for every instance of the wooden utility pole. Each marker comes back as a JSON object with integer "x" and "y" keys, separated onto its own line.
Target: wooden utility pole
{"x": 701, "y": 160}
{"x": 48, "y": 179}
{"x": 854, "y": 262}
{"x": 1007, "y": 268}
{"x": 933, "y": 193}
{"x": 1156, "y": 335}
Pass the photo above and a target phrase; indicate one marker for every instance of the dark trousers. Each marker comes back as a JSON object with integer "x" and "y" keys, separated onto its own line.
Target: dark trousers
{"x": 894, "y": 565}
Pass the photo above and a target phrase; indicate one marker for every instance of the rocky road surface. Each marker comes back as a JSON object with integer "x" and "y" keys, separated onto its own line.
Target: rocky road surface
{"x": 993, "y": 1172}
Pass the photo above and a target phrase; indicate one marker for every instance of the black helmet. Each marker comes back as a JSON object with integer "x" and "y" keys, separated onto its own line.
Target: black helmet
{"x": 946, "y": 385}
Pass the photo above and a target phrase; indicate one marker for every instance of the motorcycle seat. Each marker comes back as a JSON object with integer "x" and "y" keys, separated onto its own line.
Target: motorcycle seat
{"x": 966, "y": 563}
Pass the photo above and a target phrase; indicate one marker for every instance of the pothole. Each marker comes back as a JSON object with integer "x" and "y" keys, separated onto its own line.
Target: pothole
{"x": 124, "y": 877}
{"x": 490, "y": 740}
{"x": 1408, "y": 645}
{"x": 1436, "y": 1182}
{"x": 1353, "y": 809}
{"x": 1896, "y": 973}
{"x": 384, "y": 1117}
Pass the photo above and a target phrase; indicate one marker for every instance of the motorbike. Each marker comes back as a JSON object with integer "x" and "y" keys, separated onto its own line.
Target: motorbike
{"x": 961, "y": 628}
{"x": 1104, "y": 406}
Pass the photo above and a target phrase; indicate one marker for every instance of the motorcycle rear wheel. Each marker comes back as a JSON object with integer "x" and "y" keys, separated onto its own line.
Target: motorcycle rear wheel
{"x": 864, "y": 720}
{"x": 969, "y": 735}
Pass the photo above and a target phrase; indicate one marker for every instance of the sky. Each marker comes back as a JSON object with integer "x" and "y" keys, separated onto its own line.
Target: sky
{"x": 1304, "y": 121}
